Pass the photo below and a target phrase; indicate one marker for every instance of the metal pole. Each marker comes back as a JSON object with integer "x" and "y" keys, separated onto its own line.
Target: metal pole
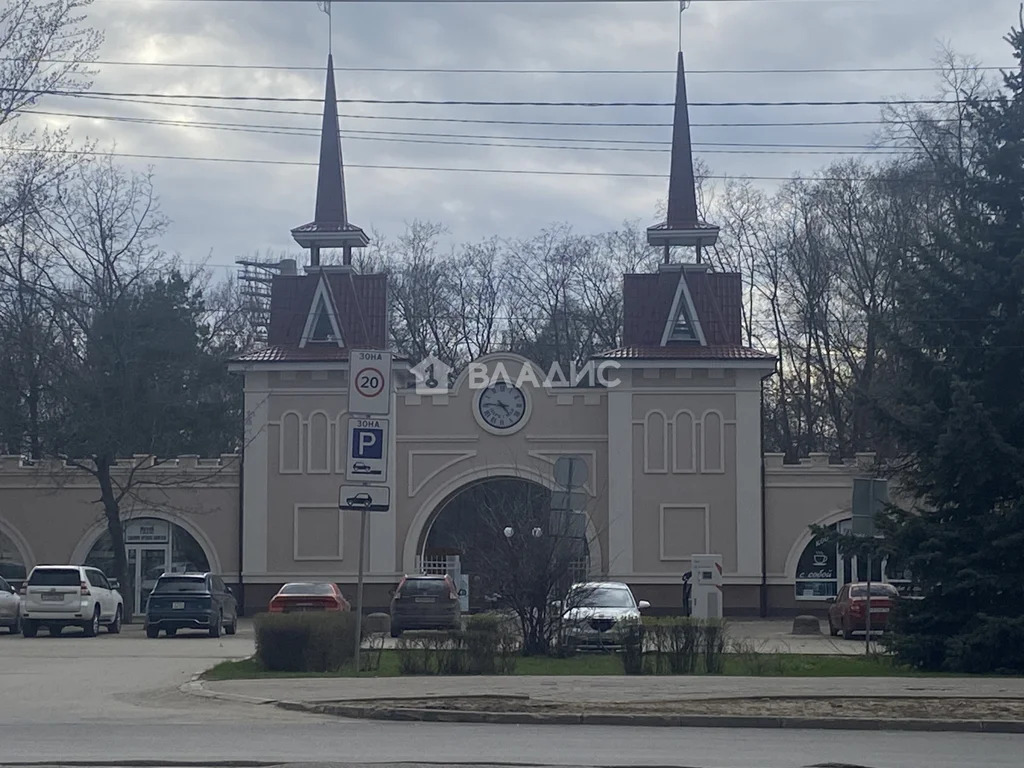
{"x": 359, "y": 588}
{"x": 867, "y": 620}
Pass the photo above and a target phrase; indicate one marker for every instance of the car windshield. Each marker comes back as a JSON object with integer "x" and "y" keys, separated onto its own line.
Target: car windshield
{"x": 306, "y": 589}
{"x": 424, "y": 587}
{"x": 601, "y": 598}
{"x": 181, "y": 584}
{"x": 877, "y": 590}
{"x": 55, "y": 577}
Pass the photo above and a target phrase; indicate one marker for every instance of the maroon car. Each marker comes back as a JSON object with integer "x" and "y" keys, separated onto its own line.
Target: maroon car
{"x": 848, "y": 611}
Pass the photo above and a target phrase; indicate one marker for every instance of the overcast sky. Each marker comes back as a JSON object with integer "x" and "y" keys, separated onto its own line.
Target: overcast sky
{"x": 223, "y": 211}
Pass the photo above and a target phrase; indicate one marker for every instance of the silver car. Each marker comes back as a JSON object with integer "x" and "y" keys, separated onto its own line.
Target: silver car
{"x": 10, "y": 607}
{"x": 597, "y": 613}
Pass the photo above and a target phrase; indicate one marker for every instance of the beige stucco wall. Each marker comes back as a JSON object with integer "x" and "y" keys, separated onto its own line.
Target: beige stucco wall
{"x": 51, "y": 512}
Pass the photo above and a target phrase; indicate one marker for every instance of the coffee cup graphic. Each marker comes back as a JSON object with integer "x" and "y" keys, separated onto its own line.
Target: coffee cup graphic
{"x": 820, "y": 558}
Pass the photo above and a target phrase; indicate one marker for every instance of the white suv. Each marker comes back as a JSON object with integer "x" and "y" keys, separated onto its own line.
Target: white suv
{"x": 58, "y": 596}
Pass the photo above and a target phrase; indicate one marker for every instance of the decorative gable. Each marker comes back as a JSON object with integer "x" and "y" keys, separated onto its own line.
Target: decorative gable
{"x": 322, "y": 325}
{"x": 683, "y": 324}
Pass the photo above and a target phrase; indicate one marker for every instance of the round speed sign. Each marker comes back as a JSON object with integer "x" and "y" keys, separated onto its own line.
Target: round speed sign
{"x": 369, "y": 382}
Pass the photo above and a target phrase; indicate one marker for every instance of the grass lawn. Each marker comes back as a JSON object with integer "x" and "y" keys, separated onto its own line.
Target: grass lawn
{"x": 769, "y": 665}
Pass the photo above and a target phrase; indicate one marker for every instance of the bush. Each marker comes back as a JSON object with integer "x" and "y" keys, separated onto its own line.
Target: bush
{"x": 713, "y": 642}
{"x": 674, "y": 642}
{"x": 632, "y": 653}
{"x": 488, "y": 645}
{"x": 305, "y": 642}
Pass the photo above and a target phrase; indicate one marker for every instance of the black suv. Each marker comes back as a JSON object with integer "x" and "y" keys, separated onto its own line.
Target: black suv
{"x": 191, "y": 601}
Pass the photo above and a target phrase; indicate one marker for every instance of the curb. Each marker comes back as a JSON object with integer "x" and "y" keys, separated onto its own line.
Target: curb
{"x": 652, "y": 720}
{"x": 195, "y": 687}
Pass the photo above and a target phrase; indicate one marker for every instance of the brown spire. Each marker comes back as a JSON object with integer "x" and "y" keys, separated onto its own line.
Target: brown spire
{"x": 682, "y": 227}
{"x": 330, "y": 227}
{"x": 682, "y": 189}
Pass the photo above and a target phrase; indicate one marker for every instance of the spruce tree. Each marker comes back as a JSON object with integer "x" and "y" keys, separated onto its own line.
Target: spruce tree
{"x": 957, "y": 408}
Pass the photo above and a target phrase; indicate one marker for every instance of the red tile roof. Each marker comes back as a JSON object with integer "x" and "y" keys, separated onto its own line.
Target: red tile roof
{"x": 360, "y": 301}
{"x": 310, "y": 354}
{"x": 717, "y": 299}
{"x": 686, "y": 352}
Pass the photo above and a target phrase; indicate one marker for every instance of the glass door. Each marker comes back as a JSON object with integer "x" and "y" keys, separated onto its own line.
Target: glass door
{"x": 146, "y": 564}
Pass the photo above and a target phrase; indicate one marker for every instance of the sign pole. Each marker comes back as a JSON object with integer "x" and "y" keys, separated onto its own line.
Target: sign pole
{"x": 867, "y": 624}
{"x": 359, "y": 588}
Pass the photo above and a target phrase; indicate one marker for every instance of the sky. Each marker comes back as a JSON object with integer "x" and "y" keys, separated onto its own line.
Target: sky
{"x": 223, "y": 211}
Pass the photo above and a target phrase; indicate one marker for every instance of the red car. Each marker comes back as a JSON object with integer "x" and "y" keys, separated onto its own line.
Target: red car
{"x": 308, "y": 596}
{"x": 848, "y": 611}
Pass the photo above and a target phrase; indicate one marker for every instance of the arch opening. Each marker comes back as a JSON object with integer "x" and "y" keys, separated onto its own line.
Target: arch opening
{"x": 498, "y": 536}
{"x": 13, "y": 566}
{"x": 154, "y": 546}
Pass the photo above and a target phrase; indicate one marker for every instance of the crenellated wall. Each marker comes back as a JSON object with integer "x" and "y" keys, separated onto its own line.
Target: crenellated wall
{"x": 50, "y": 510}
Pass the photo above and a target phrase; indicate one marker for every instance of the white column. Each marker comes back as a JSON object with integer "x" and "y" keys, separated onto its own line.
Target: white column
{"x": 257, "y": 470}
{"x": 383, "y": 526}
{"x": 620, "y": 483}
{"x": 748, "y": 475}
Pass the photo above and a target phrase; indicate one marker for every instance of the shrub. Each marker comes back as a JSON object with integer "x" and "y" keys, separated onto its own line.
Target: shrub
{"x": 305, "y": 642}
{"x": 632, "y": 653}
{"x": 713, "y": 645}
{"x": 674, "y": 644}
{"x": 488, "y": 645}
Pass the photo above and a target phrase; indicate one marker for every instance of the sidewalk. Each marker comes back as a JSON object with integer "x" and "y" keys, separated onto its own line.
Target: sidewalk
{"x": 612, "y": 689}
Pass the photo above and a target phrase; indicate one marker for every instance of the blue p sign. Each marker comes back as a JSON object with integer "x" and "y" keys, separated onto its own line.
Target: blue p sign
{"x": 368, "y": 443}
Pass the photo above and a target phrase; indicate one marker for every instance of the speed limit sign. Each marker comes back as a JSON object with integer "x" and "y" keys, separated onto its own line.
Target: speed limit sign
{"x": 369, "y": 383}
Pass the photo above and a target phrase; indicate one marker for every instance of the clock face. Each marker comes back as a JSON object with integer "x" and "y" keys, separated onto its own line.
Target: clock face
{"x": 502, "y": 406}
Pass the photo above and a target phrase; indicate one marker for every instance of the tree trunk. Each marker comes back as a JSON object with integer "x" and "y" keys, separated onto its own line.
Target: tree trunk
{"x": 115, "y": 527}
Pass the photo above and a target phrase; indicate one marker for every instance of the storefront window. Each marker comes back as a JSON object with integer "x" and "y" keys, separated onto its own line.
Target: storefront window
{"x": 817, "y": 572}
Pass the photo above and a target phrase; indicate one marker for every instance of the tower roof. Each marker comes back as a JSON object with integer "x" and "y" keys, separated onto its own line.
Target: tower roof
{"x": 682, "y": 226}
{"x": 330, "y": 227}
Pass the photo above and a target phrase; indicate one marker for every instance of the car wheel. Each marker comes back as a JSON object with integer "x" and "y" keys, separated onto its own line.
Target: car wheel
{"x": 171, "y": 632}
{"x": 847, "y": 632}
{"x": 152, "y": 632}
{"x": 832, "y": 628}
{"x": 15, "y": 628}
{"x": 232, "y": 628}
{"x": 92, "y": 628}
{"x": 114, "y": 627}
{"x": 29, "y": 628}
{"x": 55, "y": 630}
{"x": 396, "y": 631}
{"x": 215, "y": 627}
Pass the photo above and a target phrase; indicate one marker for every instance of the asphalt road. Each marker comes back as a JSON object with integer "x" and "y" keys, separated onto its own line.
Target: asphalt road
{"x": 116, "y": 698}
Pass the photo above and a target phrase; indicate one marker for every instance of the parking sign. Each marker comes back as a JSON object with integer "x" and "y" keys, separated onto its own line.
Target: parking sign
{"x": 367, "y": 460}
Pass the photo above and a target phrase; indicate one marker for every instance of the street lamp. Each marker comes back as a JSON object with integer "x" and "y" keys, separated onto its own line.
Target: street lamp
{"x": 509, "y": 532}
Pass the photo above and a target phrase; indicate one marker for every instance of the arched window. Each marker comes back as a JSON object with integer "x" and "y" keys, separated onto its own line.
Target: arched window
{"x": 684, "y": 443}
{"x": 319, "y": 457}
{"x": 655, "y": 442}
{"x": 712, "y": 443}
{"x": 291, "y": 443}
{"x": 822, "y": 570}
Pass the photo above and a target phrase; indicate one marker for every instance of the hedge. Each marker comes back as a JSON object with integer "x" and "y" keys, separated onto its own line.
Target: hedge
{"x": 305, "y": 642}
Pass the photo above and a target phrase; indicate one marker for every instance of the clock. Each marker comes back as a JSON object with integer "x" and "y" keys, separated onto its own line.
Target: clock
{"x": 502, "y": 408}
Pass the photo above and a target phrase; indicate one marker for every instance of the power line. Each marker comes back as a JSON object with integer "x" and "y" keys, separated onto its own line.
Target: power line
{"x": 514, "y": 171}
{"x": 354, "y": 134}
{"x": 485, "y": 103}
{"x": 482, "y": 121}
{"x": 518, "y": 71}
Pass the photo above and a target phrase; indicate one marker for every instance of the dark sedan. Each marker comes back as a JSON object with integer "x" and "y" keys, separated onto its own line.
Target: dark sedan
{"x": 848, "y": 612}
{"x": 191, "y": 601}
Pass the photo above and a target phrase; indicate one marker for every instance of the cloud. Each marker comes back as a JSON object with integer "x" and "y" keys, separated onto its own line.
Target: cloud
{"x": 232, "y": 210}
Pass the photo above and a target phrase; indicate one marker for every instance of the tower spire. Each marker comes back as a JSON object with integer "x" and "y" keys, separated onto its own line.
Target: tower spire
{"x": 682, "y": 225}
{"x": 330, "y": 227}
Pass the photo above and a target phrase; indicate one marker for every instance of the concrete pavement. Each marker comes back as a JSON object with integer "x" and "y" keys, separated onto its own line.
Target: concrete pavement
{"x": 115, "y": 698}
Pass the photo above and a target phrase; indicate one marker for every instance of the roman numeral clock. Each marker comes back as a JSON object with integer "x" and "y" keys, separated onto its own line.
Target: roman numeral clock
{"x": 502, "y": 408}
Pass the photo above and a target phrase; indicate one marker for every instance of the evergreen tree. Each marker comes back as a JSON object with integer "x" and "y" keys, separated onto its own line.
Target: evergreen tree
{"x": 957, "y": 411}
